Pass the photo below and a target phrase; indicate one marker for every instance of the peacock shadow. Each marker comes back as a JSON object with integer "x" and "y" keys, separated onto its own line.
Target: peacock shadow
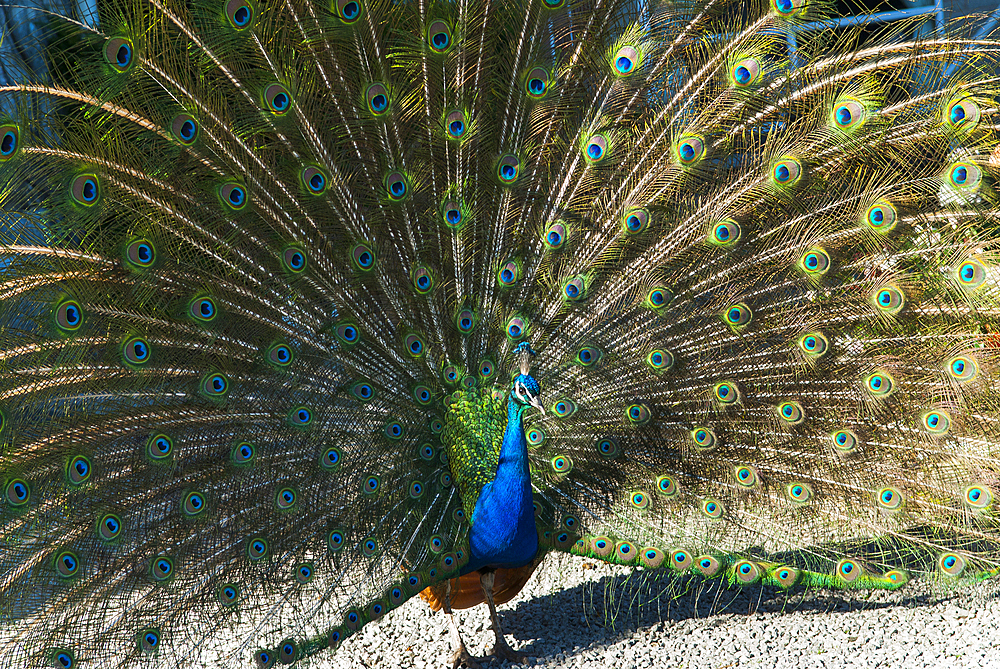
{"x": 604, "y": 610}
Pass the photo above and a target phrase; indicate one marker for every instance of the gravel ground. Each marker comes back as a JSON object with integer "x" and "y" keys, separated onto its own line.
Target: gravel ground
{"x": 576, "y": 613}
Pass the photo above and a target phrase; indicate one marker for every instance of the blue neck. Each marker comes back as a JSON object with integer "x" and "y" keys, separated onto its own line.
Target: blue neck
{"x": 503, "y": 524}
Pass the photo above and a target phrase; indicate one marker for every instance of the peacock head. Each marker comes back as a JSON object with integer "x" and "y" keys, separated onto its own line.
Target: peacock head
{"x": 525, "y": 390}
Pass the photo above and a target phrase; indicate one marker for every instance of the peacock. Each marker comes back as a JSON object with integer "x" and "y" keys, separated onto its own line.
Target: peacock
{"x": 308, "y": 308}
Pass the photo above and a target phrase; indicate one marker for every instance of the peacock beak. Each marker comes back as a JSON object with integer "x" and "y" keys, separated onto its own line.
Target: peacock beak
{"x": 536, "y": 402}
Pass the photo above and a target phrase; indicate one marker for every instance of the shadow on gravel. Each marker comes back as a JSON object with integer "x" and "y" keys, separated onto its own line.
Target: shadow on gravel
{"x": 604, "y": 612}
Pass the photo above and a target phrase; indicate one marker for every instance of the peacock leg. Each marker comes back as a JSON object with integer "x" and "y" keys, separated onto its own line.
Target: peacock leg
{"x": 461, "y": 655}
{"x": 501, "y": 650}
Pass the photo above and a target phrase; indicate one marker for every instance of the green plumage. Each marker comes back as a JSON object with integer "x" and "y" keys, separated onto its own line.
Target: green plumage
{"x": 269, "y": 269}
{"x": 473, "y": 431}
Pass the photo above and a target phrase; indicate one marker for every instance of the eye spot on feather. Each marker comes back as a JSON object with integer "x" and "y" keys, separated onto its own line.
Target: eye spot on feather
{"x": 17, "y": 493}
{"x": 962, "y": 115}
{"x": 636, "y": 221}
{"x": 509, "y": 273}
{"x": 215, "y": 385}
{"x": 136, "y": 351}
{"x": 63, "y": 659}
{"x": 815, "y": 262}
{"x": 786, "y": 577}
{"x": 588, "y": 356}
{"x": 537, "y": 83}
{"x": 416, "y": 490}
{"x": 349, "y": 11}
{"x": 738, "y": 315}
{"x": 597, "y": 148}
{"x": 849, "y": 570}
{"x": 608, "y": 448}
{"x": 285, "y": 499}
{"x": 396, "y": 186}
{"x": 660, "y": 360}
{"x": 789, "y": 8}
{"x": 845, "y": 442}
{"x": 849, "y": 115}
{"x": 667, "y": 486}
{"x": 712, "y": 508}
{"x": 300, "y": 416}
{"x": 314, "y": 179}
{"x": 680, "y": 560}
{"x": 746, "y": 572}
{"x": 708, "y": 565}
{"x": 535, "y": 437}
{"x": 786, "y": 172}
{"x": 109, "y": 527}
{"x": 977, "y": 497}
{"x": 791, "y": 413}
{"x": 638, "y": 414}
{"x": 638, "y": 500}
{"x": 746, "y": 476}
{"x": 881, "y": 217}
{"x": 690, "y": 149}
{"x": 371, "y": 485}
{"x": 508, "y": 169}
{"x": 243, "y": 453}
{"x": 564, "y": 407}
{"x": 280, "y": 355}
{"x": 561, "y": 464}
{"x": 378, "y": 99}
{"x": 574, "y": 288}
{"x": 962, "y": 368}
{"x": 879, "y": 384}
{"x": 118, "y": 52}
{"x": 800, "y": 493}
{"x": 257, "y": 549}
{"x": 194, "y": 504}
{"x": 369, "y": 547}
{"x": 353, "y": 620}
{"x": 234, "y": 196}
{"x": 951, "y": 564}
{"x": 439, "y": 37}
{"x": 160, "y": 447}
{"x": 965, "y": 176}
{"x": 9, "y": 142}
{"x": 813, "y": 344}
{"x": 971, "y": 274}
{"x": 394, "y": 430}
{"x": 203, "y": 309}
{"x": 79, "y": 470}
{"x": 239, "y": 13}
{"x": 162, "y": 568}
{"x": 465, "y": 320}
{"x": 704, "y": 439}
{"x": 86, "y": 189}
{"x": 516, "y": 328}
{"x": 602, "y": 546}
{"x": 277, "y": 99}
{"x": 67, "y": 564}
{"x": 336, "y": 541}
{"x": 725, "y": 392}
{"x": 555, "y": 235}
{"x": 456, "y": 124}
{"x": 264, "y": 659}
{"x": 745, "y": 73}
{"x": 347, "y": 334}
{"x": 423, "y": 279}
{"x": 140, "y": 254}
{"x": 69, "y": 316}
{"x": 935, "y": 422}
{"x": 149, "y": 641}
{"x": 414, "y": 345}
{"x": 889, "y": 499}
{"x": 725, "y": 233}
{"x": 626, "y": 60}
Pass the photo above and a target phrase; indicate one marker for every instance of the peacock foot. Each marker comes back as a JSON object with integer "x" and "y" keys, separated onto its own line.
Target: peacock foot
{"x": 502, "y": 651}
{"x": 461, "y": 658}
